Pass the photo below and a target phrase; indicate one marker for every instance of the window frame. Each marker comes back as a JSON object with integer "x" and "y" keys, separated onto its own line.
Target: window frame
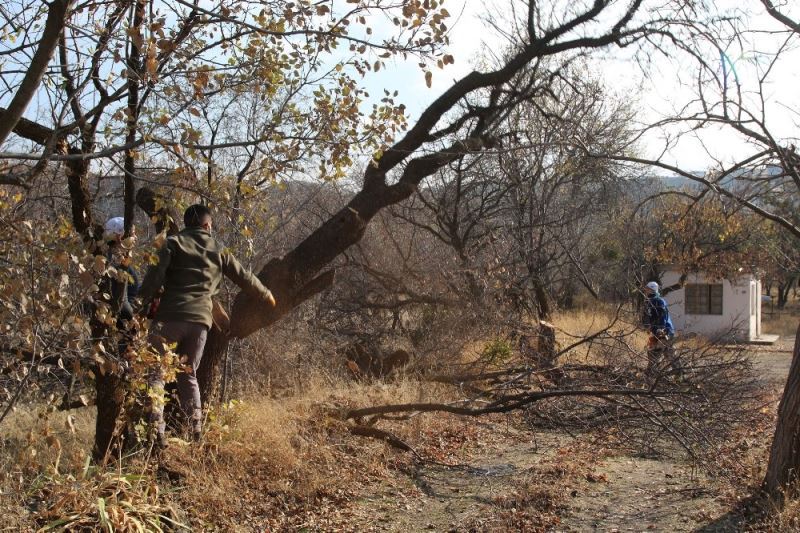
{"x": 704, "y": 299}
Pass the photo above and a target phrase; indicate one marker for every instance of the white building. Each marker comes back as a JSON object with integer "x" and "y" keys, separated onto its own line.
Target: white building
{"x": 716, "y": 308}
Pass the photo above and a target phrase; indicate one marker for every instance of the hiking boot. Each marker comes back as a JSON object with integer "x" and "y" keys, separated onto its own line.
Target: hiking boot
{"x": 196, "y": 423}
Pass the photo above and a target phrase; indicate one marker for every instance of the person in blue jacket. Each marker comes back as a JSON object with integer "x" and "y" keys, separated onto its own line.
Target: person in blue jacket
{"x": 658, "y": 322}
{"x": 656, "y": 313}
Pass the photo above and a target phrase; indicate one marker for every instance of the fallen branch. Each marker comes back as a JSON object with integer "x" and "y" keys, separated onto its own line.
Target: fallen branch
{"x": 527, "y": 370}
{"x": 393, "y": 440}
{"x": 501, "y": 406}
{"x": 379, "y": 434}
{"x": 458, "y": 379}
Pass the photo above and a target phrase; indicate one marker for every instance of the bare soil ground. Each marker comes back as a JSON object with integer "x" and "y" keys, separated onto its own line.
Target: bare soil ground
{"x": 615, "y": 493}
{"x": 645, "y": 494}
{"x": 460, "y": 497}
{"x": 506, "y": 482}
{"x": 510, "y": 481}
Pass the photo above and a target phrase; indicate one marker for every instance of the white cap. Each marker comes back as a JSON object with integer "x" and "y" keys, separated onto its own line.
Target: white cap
{"x": 114, "y": 227}
{"x": 653, "y": 286}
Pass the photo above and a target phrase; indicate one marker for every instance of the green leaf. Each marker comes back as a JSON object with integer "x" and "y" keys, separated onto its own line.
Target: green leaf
{"x": 60, "y": 522}
{"x": 105, "y": 523}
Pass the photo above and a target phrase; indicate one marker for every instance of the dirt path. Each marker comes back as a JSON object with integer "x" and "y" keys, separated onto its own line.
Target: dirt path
{"x": 510, "y": 486}
{"x": 643, "y": 495}
{"x": 521, "y": 481}
{"x": 481, "y": 495}
{"x": 773, "y": 361}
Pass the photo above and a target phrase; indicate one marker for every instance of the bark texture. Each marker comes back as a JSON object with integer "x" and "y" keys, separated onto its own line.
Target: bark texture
{"x": 110, "y": 399}
{"x": 784, "y": 457}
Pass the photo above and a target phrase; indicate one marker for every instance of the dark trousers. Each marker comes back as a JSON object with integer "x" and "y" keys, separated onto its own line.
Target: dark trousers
{"x": 661, "y": 352}
{"x": 190, "y": 339}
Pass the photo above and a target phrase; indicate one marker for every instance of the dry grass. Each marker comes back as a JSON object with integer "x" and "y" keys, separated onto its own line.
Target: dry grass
{"x": 284, "y": 462}
{"x": 576, "y": 325}
{"x": 42, "y": 452}
{"x": 290, "y": 459}
{"x": 264, "y": 463}
{"x": 782, "y": 322}
{"x": 49, "y": 483}
{"x": 785, "y": 519}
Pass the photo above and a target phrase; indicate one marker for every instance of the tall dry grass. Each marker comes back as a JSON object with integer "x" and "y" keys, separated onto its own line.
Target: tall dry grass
{"x": 782, "y": 322}
{"x": 573, "y": 326}
{"x": 40, "y": 447}
{"x": 282, "y": 458}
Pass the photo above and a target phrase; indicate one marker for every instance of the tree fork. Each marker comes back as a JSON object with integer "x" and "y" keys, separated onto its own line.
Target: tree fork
{"x": 290, "y": 277}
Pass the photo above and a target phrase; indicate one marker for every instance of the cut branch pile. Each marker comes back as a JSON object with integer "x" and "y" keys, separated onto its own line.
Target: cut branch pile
{"x": 690, "y": 402}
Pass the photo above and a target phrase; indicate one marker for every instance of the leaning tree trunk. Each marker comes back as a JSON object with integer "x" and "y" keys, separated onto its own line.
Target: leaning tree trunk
{"x": 784, "y": 458}
{"x": 292, "y": 280}
{"x": 295, "y": 277}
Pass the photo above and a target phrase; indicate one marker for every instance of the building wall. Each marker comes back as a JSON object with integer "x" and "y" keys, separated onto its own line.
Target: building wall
{"x": 741, "y": 307}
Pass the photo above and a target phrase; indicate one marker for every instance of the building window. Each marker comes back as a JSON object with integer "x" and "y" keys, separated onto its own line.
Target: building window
{"x": 704, "y": 299}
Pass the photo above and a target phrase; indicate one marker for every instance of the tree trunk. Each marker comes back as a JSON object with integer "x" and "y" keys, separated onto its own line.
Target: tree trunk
{"x": 108, "y": 385}
{"x": 542, "y": 300}
{"x": 134, "y": 80}
{"x": 80, "y": 199}
{"x": 784, "y": 457}
{"x": 164, "y": 218}
{"x": 208, "y": 372}
{"x": 278, "y": 278}
{"x": 547, "y": 344}
{"x": 110, "y": 399}
{"x": 547, "y": 331}
{"x": 784, "y": 289}
{"x": 293, "y": 278}
{"x": 54, "y": 25}
{"x": 676, "y": 286}
{"x": 783, "y": 294}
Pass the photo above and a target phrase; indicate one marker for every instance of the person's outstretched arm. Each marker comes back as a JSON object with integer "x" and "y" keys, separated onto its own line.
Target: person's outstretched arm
{"x": 245, "y": 279}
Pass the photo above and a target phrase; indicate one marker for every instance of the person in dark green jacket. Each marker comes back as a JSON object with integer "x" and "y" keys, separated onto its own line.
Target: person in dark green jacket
{"x": 190, "y": 269}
